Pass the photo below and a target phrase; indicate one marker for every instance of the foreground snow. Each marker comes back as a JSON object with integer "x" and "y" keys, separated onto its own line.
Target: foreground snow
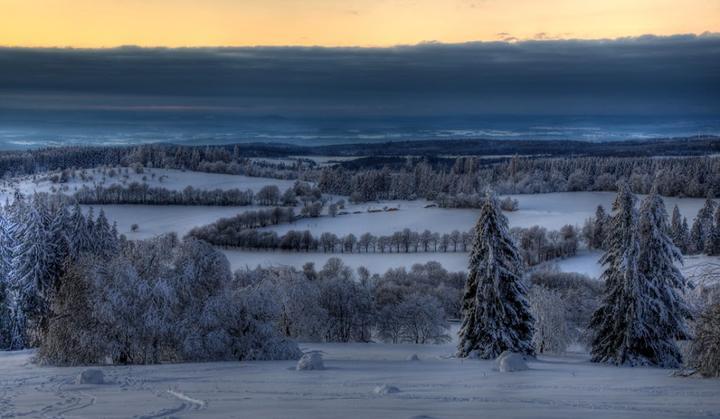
{"x": 435, "y": 386}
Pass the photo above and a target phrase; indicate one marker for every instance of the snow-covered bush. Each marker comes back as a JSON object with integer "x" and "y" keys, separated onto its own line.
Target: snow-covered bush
{"x": 417, "y": 319}
{"x": 551, "y": 332}
{"x": 580, "y": 295}
{"x": 299, "y": 315}
{"x": 349, "y": 309}
{"x": 705, "y": 348}
{"x": 509, "y": 204}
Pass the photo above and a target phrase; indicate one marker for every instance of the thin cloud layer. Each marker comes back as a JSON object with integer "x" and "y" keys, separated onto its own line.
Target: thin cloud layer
{"x": 646, "y": 75}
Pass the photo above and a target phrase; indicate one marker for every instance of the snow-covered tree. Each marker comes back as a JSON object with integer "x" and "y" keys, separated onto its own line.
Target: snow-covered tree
{"x": 712, "y": 243}
{"x": 641, "y": 312}
{"x": 705, "y": 347}
{"x": 599, "y": 228}
{"x": 29, "y": 276}
{"x": 418, "y": 318}
{"x": 679, "y": 231}
{"x": 5, "y": 263}
{"x": 551, "y": 329}
{"x": 495, "y": 311}
{"x": 702, "y": 226}
{"x": 666, "y": 312}
{"x": 79, "y": 234}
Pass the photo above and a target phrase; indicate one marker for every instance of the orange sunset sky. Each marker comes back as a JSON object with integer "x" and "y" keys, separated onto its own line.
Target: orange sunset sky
{"x": 109, "y": 23}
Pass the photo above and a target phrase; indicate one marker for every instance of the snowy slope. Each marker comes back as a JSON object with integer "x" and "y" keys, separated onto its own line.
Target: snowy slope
{"x": 433, "y": 387}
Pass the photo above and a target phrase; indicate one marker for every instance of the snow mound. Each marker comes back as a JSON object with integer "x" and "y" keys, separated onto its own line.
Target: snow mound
{"x": 413, "y": 357}
{"x": 511, "y": 362}
{"x": 386, "y": 389}
{"x": 310, "y": 361}
{"x": 90, "y": 376}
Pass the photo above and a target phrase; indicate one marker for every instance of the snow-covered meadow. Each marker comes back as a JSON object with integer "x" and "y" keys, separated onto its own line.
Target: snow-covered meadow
{"x": 550, "y": 210}
{"x": 435, "y": 386}
{"x": 153, "y": 220}
{"x": 171, "y": 179}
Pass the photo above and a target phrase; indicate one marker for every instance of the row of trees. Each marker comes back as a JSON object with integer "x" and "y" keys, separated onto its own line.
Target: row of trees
{"x": 143, "y": 194}
{"x": 536, "y": 244}
{"x": 702, "y": 237}
{"x": 464, "y": 181}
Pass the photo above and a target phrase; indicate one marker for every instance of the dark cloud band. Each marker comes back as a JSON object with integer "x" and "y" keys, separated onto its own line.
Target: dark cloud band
{"x": 634, "y": 75}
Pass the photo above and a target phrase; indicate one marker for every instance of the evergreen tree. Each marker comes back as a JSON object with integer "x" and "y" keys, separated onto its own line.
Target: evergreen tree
{"x": 678, "y": 232}
{"x": 29, "y": 274}
{"x": 712, "y": 243}
{"x": 703, "y": 225}
{"x": 105, "y": 237}
{"x": 496, "y": 313}
{"x": 666, "y": 312}
{"x": 5, "y": 260}
{"x": 79, "y": 234}
{"x": 600, "y": 228}
{"x": 619, "y": 324}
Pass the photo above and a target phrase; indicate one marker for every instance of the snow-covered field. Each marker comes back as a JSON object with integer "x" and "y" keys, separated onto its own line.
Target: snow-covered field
{"x": 436, "y": 386}
{"x": 552, "y": 211}
{"x": 166, "y": 178}
{"x": 158, "y": 219}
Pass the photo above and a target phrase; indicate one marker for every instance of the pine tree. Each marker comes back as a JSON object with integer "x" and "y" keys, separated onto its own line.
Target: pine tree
{"x": 678, "y": 234}
{"x": 496, "y": 313}
{"x": 29, "y": 274}
{"x": 712, "y": 243}
{"x": 79, "y": 234}
{"x": 105, "y": 237}
{"x": 5, "y": 303}
{"x": 667, "y": 312}
{"x": 703, "y": 225}
{"x": 600, "y": 228}
{"x": 619, "y": 324}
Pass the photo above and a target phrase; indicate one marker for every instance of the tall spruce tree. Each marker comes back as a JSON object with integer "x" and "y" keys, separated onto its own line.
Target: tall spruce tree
{"x": 496, "y": 313}
{"x": 712, "y": 242}
{"x": 677, "y": 232}
{"x": 5, "y": 260}
{"x": 79, "y": 235}
{"x": 599, "y": 228}
{"x": 667, "y": 312}
{"x": 619, "y": 323}
{"x": 30, "y": 272}
{"x": 703, "y": 225}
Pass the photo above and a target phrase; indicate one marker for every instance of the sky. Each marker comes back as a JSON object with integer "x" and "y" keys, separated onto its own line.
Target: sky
{"x": 174, "y": 23}
{"x": 126, "y": 70}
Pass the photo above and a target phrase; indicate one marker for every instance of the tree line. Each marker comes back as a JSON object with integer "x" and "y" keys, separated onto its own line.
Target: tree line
{"x": 537, "y": 244}
{"x": 143, "y": 194}
{"x": 702, "y": 237}
{"x": 463, "y": 182}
